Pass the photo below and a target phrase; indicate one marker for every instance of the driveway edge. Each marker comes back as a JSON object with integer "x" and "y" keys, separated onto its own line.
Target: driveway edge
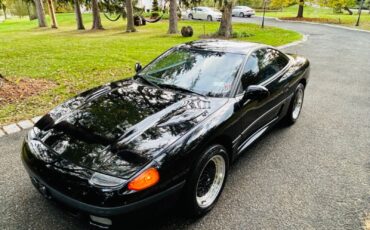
{"x": 324, "y": 24}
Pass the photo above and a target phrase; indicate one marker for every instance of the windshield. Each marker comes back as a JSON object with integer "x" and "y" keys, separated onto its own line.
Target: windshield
{"x": 203, "y": 72}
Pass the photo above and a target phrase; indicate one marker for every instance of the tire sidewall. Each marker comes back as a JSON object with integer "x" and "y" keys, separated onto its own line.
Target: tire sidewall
{"x": 209, "y": 18}
{"x": 241, "y": 15}
{"x": 290, "y": 117}
{"x": 192, "y": 207}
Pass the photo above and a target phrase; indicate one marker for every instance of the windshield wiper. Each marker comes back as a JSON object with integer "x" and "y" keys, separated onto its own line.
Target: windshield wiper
{"x": 175, "y": 87}
{"x": 147, "y": 81}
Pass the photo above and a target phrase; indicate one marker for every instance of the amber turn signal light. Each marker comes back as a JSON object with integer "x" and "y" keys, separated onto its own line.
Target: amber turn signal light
{"x": 145, "y": 180}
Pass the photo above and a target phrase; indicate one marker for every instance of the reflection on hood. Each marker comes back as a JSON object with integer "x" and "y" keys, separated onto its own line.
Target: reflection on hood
{"x": 119, "y": 127}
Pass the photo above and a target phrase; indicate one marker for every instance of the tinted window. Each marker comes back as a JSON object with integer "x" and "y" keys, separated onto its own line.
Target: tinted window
{"x": 206, "y": 72}
{"x": 261, "y": 65}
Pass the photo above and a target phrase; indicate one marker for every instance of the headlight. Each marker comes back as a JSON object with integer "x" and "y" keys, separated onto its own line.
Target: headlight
{"x": 105, "y": 181}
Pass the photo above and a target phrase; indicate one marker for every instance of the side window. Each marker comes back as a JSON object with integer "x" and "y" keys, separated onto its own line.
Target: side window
{"x": 273, "y": 61}
{"x": 261, "y": 65}
{"x": 251, "y": 70}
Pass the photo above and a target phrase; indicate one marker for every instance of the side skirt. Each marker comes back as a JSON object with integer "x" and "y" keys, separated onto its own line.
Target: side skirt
{"x": 256, "y": 135}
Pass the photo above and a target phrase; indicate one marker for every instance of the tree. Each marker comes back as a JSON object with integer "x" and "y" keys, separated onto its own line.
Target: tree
{"x": 338, "y": 5}
{"x": 96, "y": 16}
{"x": 79, "y": 21}
{"x": 225, "y": 29}
{"x": 40, "y": 13}
{"x": 278, "y": 4}
{"x": 172, "y": 28}
{"x": 54, "y": 23}
{"x": 19, "y": 8}
{"x": 300, "y": 9}
{"x": 3, "y": 6}
{"x": 130, "y": 17}
{"x": 155, "y": 9}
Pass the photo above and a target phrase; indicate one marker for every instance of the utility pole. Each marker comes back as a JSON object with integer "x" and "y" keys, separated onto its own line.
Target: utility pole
{"x": 359, "y": 13}
{"x": 264, "y": 12}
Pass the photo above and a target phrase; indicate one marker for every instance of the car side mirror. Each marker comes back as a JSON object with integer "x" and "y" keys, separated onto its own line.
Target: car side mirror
{"x": 138, "y": 67}
{"x": 255, "y": 92}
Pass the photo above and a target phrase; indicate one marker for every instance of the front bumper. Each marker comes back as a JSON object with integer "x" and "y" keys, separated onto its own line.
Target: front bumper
{"x": 68, "y": 184}
{"x": 51, "y": 193}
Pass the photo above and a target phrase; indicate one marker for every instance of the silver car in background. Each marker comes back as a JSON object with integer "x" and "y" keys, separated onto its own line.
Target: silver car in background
{"x": 204, "y": 13}
{"x": 243, "y": 11}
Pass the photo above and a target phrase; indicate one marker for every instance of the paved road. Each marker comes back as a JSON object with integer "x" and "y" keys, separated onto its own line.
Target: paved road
{"x": 314, "y": 175}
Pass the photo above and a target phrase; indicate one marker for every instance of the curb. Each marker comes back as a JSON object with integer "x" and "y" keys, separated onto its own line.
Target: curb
{"x": 19, "y": 126}
{"x": 304, "y": 39}
{"x": 324, "y": 24}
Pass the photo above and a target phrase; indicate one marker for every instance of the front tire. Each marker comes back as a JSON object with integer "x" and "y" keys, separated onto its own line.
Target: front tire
{"x": 190, "y": 16}
{"x": 209, "y": 18}
{"x": 206, "y": 181}
{"x": 295, "y": 106}
{"x": 241, "y": 15}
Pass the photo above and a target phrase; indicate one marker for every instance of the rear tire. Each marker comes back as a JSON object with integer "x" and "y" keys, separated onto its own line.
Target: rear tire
{"x": 295, "y": 106}
{"x": 206, "y": 181}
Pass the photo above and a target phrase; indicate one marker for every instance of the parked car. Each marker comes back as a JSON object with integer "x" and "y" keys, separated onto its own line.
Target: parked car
{"x": 173, "y": 129}
{"x": 204, "y": 13}
{"x": 243, "y": 11}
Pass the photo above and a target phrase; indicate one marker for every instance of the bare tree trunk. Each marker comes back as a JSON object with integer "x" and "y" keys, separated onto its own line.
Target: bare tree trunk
{"x": 172, "y": 29}
{"x": 40, "y": 13}
{"x": 80, "y": 23}
{"x": 54, "y": 23}
{"x": 96, "y": 16}
{"x": 226, "y": 29}
{"x": 4, "y": 10}
{"x": 300, "y": 9}
{"x": 130, "y": 17}
{"x": 348, "y": 10}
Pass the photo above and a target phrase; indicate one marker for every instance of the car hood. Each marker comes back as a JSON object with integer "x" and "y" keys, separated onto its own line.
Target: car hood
{"x": 120, "y": 127}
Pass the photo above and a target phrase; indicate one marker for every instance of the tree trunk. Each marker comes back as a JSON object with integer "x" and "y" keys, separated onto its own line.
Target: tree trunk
{"x": 79, "y": 21}
{"x": 40, "y": 13}
{"x": 96, "y": 16}
{"x": 130, "y": 17}
{"x": 348, "y": 10}
{"x": 172, "y": 29}
{"x": 54, "y": 23}
{"x": 226, "y": 29}
{"x": 4, "y": 10}
{"x": 300, "y": 9}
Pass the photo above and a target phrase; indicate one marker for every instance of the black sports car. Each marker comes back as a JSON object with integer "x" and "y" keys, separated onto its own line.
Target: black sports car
{"x": 176, "y": 126}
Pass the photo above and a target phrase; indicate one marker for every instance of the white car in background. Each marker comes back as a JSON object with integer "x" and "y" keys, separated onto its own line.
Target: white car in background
{"x": 204, "y": 13}
{"x": 243, "y": 11}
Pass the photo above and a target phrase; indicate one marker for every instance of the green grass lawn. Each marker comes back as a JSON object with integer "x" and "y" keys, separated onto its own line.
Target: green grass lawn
{"x": 79, "y": 60}
{"x": 325, "y": 13}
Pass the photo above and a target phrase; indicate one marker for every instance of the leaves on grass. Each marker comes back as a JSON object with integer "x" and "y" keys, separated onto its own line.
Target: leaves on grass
{"x": 21, "y": 88}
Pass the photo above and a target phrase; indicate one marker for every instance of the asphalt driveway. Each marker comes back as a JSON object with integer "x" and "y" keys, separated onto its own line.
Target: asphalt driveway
{"x": 313, "y": 175}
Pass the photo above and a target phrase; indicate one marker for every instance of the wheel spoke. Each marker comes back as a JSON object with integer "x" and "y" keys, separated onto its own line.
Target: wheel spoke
{"x": 210, "y": 181}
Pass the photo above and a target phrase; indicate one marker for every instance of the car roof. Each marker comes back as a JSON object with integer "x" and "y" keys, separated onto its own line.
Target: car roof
{"x": 203, "y": 7}
{"x": 219, "y": 45}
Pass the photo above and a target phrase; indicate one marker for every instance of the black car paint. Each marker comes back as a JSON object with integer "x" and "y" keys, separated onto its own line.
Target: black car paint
{"x": 123, "y": 127}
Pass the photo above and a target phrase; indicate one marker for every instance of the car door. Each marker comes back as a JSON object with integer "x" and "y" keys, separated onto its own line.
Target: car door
{"x": 264, "y": 67}
{"x": 202, "y": 14}
{"x": 235, "y": 11}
